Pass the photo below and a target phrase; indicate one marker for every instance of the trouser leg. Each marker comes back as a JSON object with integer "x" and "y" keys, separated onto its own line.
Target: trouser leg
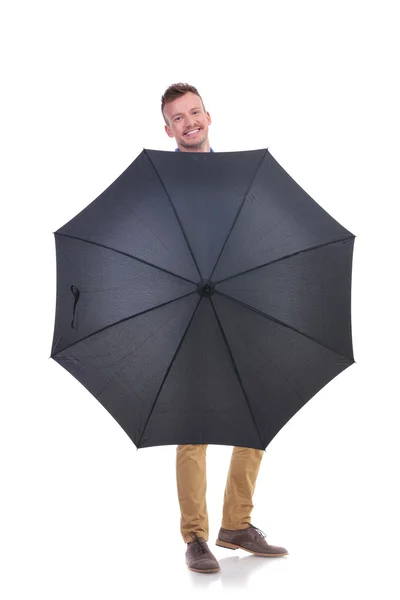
{"x": 192, "y": 485}
{"x": 240, "y": 486}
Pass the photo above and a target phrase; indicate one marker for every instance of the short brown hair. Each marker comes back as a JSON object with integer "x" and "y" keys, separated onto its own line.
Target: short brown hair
{"x": 174, "y": 91}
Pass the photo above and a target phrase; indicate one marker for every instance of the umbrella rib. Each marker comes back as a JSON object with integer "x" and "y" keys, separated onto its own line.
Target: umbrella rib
{"x": 286, "y": 257}
{"x": 166, "y": 374}
{"x": 145, "y": 262}
{"x": 176, "y": 215}
{"x": 236, "y": 370}
{"x": 239, "y": 211}
{"x": 263, "y": 314}
{"x": 122, "y": 320}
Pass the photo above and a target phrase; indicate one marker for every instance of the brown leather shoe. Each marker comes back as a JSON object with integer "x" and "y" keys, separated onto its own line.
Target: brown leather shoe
{"x": 250, "y": 539}
{"x": 199, "y": 558}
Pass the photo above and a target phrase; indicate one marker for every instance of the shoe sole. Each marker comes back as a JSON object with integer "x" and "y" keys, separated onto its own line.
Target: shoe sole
{"x": 235, "y": 547}
{"x": 205, "y": 570}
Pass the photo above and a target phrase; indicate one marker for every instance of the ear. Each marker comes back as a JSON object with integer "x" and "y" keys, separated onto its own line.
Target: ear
{"x": 208, "y": 118}
{"x": 168, "y": 130}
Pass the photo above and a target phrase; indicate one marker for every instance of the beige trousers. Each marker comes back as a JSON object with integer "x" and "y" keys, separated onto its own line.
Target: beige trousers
{"x": 192, "y": 486}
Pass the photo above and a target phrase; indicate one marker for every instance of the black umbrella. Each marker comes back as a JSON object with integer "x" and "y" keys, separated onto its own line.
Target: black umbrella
{"x": 203, "y": 298}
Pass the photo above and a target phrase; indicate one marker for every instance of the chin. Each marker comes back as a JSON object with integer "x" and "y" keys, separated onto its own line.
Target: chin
{"x": 194, "y": 144}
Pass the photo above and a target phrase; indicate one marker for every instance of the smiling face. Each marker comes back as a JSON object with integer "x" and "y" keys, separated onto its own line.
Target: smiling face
{"x": 185, "y": 114}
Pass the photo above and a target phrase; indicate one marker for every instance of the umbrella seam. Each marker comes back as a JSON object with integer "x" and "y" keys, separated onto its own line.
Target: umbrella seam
{"x": 239, "y": 210}
{"x": 166, "y": 374}
{"x": 258, "y": 311}
{"x": 121, "y": 321}
{"x": 74, "y": 237}
{"x": 125, "y": 359}
{"x": 286, "y": 257}
{"x": 176, "y": 215}
{"x": 236, "y": 370}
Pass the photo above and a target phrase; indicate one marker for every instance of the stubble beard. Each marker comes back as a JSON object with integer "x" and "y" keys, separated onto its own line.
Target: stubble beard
{"x": 196, "y": 144}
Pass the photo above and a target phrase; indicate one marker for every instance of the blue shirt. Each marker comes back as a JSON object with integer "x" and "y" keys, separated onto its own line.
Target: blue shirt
{"x": 177, "y": 149}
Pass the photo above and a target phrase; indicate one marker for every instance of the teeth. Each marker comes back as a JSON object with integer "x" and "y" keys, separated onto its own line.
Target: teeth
{"x": 193, "y": 131}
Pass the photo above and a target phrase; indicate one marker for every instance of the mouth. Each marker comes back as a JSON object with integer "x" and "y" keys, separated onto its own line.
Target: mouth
{"x": 192, "y": 132}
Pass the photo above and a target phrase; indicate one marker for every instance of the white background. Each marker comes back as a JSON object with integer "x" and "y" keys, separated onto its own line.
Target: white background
{"x": 84, "y": 515}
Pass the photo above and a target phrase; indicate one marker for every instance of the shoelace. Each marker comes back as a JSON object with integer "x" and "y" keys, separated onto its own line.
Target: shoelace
{"x": 199, "y": 541}
{"x": 256, "y": 528}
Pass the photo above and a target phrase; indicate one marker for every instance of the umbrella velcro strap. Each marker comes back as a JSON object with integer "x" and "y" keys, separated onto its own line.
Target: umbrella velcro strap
{"x": 76, "y": 294}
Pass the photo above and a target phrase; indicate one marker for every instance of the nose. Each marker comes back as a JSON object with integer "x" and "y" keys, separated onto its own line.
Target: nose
{"x": 189, "y": 122}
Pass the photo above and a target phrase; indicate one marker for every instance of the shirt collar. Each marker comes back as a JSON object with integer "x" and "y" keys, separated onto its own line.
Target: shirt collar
{"x": 177, "y": 149}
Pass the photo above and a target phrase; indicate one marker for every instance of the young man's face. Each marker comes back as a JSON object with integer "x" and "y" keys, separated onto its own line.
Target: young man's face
{"x": 183, "y": 115}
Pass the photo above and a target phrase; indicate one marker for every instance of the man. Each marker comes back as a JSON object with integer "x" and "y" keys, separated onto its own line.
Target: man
{"x": 187, "y": 120}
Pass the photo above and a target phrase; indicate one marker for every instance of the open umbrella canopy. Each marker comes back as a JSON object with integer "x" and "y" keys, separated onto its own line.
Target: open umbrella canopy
{"x": 203, "y": 298}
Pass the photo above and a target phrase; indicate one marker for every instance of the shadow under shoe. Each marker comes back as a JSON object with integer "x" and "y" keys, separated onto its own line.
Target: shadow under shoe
{"x": 250, "y": 539}
{"x": 199, "y": 558}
